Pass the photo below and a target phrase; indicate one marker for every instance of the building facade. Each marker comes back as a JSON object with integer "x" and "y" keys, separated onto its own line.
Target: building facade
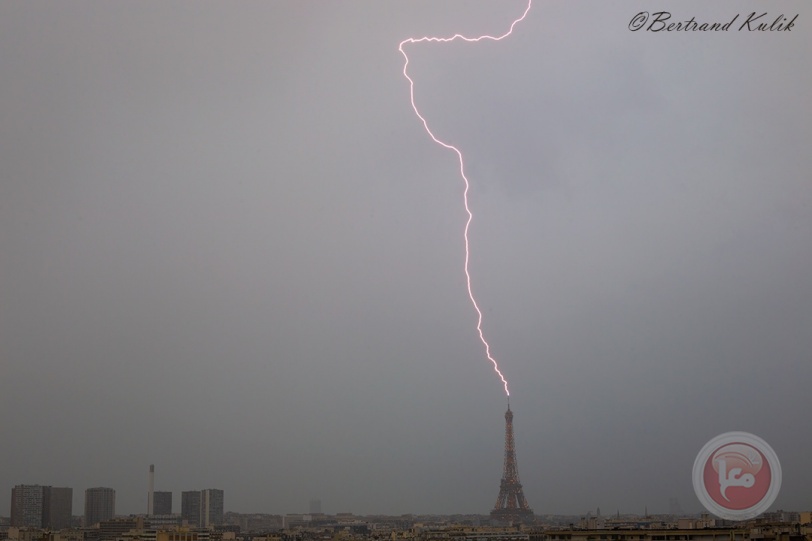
{"x": 58, "y": 508}
{"x": 211, "y": 507}
{"x": 202, "y": 509}
{"x": 190, "y": 508}
{"x": 27, "y": 506}
{"x": 110, "y": 530}
{"x": 37, "y": 506}
{"x": 161, "y": 503}
{"x": 100, "y": 504}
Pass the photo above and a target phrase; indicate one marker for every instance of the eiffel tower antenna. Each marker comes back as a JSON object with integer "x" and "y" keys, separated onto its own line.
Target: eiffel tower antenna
{"x": 511, "y": 505}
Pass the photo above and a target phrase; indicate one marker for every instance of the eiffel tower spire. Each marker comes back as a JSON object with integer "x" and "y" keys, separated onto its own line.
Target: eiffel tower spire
{"x": 511, "y": 506}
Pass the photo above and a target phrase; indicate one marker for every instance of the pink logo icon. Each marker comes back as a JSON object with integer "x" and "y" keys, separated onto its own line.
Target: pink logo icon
{"x": 737, "y": 476}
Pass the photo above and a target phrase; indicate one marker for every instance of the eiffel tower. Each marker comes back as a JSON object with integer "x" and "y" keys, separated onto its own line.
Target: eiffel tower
{"x": 511, "y": 506}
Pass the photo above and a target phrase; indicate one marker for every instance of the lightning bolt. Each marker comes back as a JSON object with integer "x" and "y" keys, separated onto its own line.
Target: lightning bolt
{"x": 462, "y": 165}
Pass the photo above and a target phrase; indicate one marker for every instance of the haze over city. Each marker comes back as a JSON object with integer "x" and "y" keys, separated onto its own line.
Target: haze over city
{"x": 228, "y": 248}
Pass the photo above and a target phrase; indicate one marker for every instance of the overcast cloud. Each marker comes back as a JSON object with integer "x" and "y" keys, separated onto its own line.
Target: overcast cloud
{"x": 228, "y": 248}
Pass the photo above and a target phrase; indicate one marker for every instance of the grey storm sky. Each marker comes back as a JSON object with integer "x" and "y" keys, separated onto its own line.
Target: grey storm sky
{"x": 228, "y": 248}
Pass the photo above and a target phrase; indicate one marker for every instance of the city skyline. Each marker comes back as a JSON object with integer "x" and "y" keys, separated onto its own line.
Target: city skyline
{"x": 230, "y": 249}
{"x": 63, "y": 522}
